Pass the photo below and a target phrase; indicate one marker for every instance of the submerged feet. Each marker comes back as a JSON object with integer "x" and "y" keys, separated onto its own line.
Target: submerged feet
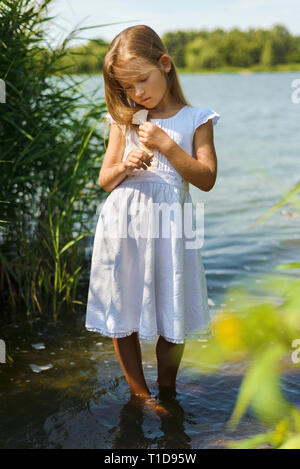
{"x": 160, "y": 404}
{"x": 151, "y": 403}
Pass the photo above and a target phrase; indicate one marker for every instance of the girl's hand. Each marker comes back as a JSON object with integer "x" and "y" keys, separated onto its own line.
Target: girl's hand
{"x": 137, "y": 159}
{"x": 153, "y": 136}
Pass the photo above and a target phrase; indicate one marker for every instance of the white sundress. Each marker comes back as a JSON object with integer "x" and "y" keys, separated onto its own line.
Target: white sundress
{"x": 140, "y": 280}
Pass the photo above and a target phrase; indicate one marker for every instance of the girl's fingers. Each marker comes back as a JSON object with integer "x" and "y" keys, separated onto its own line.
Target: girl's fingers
{"x": 142, "y": 154}
{"x": 137, "y": 161}
{"x": 147, "y": 155}
{"x": 140, "y": 160}
{"x": 145, "y": 158}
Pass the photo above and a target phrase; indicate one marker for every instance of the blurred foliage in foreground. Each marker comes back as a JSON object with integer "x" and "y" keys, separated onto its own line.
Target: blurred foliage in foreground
{"x": 263, "y": 331}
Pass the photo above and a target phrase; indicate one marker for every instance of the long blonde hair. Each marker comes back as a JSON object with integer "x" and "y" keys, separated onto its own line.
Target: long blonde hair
{"x": 135, "y": 42}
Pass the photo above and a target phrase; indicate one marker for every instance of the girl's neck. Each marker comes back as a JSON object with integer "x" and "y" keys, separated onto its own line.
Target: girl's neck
{"x": 164, "y": 111}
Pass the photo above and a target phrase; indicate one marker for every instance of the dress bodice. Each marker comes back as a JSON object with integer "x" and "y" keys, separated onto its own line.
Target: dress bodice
{"x": 180, "y": 128}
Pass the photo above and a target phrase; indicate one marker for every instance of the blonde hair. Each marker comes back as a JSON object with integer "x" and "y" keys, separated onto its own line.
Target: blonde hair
{"x": 135, "y": 42}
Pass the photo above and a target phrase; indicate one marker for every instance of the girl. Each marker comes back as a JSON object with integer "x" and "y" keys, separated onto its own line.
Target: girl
{"x": 148, "y": 285}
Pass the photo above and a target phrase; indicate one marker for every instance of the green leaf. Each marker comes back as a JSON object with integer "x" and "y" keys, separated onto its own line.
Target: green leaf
{"x": 291, "y": 443}
{"x": 73, "y": 241}
{"x": 78, "y": 302}
{"x": 292, "y": 265}
{"x": 261, "y": 369}
{"x": 286, "y": 198}
{"x": 268, "y": 403}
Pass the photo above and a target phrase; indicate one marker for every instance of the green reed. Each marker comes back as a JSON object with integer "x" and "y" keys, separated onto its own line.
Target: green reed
{"x": 51, "y": 148}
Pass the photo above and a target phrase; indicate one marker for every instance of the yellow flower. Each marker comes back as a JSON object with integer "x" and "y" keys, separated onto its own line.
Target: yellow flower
{"x": 228, "y": 330}
{"x": 279, "y": 432}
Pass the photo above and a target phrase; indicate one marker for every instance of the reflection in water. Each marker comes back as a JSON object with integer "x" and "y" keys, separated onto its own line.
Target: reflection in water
{"x": 131, "y": 434}
{"x": 172, "y": 425}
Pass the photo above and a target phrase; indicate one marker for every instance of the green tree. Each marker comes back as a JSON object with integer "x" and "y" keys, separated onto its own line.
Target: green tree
{"x": 236, "y": 49}
{"x": 256, "y": 39}
{"x": 293, "y": 56}
{"x": 201, "y": 54}
{"x": 268, "y": 54}
{"x": 281, "y": 42}
{"x": 87, "y": 58}
{"x": 176, "y": 44}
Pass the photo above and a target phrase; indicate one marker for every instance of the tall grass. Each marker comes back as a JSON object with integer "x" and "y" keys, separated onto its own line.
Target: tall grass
{"x": 51, "y": 148}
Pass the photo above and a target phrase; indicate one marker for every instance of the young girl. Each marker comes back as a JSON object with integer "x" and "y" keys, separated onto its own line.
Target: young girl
{"x": 148, "y": 284}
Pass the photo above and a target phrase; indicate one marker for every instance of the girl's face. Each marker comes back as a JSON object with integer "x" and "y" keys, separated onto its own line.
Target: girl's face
{"x": 144, "y": 83}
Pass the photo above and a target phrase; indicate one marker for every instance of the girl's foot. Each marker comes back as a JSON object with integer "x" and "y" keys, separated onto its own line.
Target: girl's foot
{"x": 151, "y": 403}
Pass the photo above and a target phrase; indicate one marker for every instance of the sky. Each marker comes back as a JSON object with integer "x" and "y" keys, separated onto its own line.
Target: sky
{"x": 167, "y": 15}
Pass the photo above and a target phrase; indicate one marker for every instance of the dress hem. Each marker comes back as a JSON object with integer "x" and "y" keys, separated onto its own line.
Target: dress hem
{"x": 205, "y": 333}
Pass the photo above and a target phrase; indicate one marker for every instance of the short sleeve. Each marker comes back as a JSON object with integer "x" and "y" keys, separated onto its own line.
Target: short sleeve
{"x": 110, "y": 120}
{"x": 201, "y": 116}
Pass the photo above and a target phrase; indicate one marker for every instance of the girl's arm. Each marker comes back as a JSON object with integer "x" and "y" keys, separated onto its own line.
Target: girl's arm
{"x": 113, "y": 170}
{"x": 202, "y": 172}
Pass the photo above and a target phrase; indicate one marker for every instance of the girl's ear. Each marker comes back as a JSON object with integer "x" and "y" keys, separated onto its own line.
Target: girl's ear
{"x": 165, "y": 62}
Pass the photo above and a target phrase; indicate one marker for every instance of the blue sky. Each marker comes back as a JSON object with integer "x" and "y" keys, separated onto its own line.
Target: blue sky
{"x": 169, "y": 15}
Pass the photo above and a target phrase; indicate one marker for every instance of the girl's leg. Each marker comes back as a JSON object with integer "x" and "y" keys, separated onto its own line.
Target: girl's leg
{"x": 168, "y": 360}
{"x": 128, "y": 351}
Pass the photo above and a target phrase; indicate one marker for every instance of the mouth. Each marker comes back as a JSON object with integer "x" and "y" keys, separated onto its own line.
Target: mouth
{"x": 144, "y": 100}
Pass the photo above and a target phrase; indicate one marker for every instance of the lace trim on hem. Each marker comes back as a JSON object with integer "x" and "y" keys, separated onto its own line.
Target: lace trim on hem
{"x": 205, "y": 332}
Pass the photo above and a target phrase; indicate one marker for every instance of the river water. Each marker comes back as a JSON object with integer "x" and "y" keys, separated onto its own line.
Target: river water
{"x": 80, "y": 399}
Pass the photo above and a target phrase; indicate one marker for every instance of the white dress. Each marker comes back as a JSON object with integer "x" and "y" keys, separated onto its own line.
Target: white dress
{"x": 142, "y": 280}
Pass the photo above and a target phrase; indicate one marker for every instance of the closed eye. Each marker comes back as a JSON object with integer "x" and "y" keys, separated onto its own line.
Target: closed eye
{"x": 128, "y": 87}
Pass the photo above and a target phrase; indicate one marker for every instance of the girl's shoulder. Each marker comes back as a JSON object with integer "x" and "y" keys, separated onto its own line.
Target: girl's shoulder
{"x": 201, "y": 115}
{"x": 108, "y": 118}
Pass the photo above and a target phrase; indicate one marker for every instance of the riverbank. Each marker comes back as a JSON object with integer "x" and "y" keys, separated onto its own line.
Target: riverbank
{"x": 293, "y": 67}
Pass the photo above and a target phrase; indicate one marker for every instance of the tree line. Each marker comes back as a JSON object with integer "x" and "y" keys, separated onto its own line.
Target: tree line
{"x": 205, "y": 50}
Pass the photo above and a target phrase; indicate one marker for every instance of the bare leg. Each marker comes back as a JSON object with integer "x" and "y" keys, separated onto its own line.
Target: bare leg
{"x": 168, "y": 360}
{"x": 128, "y": 351}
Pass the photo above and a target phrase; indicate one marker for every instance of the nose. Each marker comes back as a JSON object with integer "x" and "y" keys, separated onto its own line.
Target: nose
{"x": 139, "y": 92}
